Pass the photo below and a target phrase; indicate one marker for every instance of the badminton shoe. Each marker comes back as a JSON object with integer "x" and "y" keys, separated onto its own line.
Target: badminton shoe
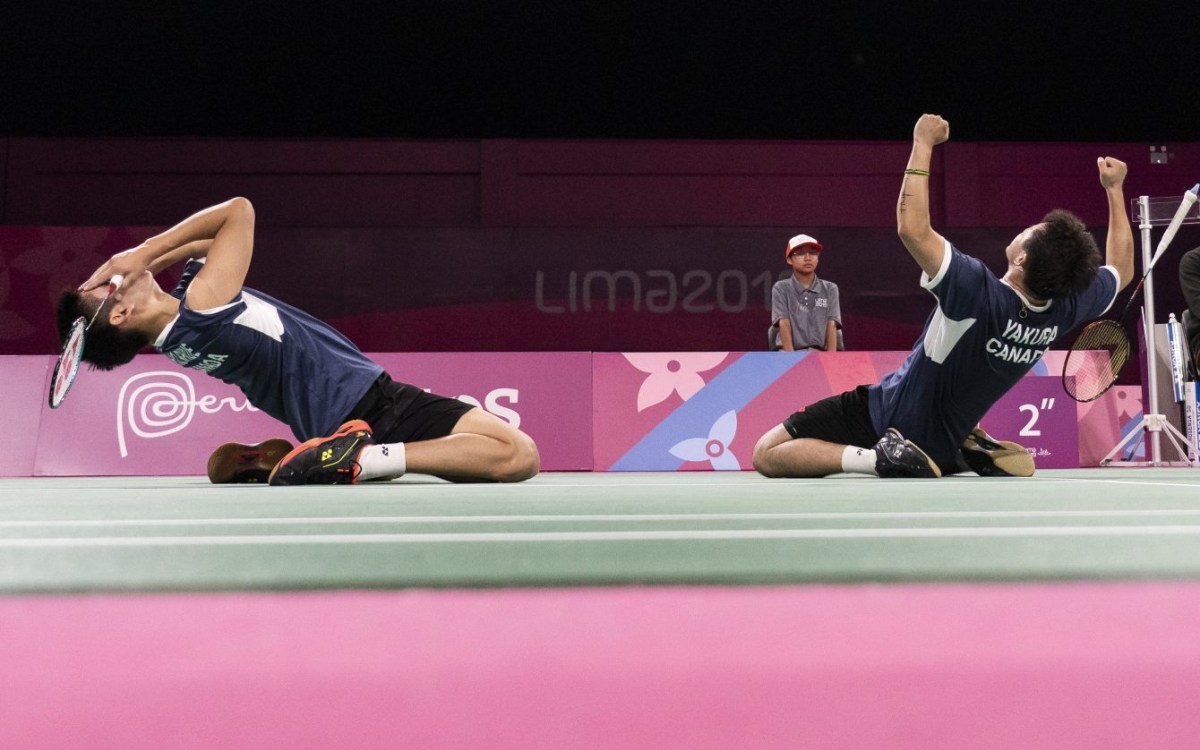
{"x": 989, "y": 457}
{"x": 238, "y": 463}
{"x": 327, "y": 460}
{"x": 896, "y": 457}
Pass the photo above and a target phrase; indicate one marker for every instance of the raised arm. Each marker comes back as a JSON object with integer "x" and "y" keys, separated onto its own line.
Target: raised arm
{"x": 912, "y": 209}
{"x": 1118, "y": 249}
{"x": 224, "y": 233}
{"x": 197, "y": 249}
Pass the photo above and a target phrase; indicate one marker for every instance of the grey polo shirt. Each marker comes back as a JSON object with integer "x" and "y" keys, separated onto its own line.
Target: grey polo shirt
{"x": 808, "y": 308}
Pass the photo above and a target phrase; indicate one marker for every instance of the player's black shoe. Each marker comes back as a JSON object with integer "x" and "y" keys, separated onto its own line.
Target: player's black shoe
{"x": 238, "y": 463}
{"x": 989, "y": 457}
{"x": 327, "y": 460}
{"x": 896, "y": 457}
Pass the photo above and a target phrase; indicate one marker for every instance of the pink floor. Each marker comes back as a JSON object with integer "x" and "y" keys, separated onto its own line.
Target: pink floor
{"x": 955, "y": 666}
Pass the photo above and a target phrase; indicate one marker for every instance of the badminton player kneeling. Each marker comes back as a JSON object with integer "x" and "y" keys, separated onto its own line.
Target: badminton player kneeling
{"x": 355, "y": 422}
{"x": 984, "y": 334}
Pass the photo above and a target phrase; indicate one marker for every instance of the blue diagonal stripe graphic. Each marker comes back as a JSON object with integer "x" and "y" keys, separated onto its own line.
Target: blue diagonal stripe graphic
{"x": 736, "y": 386}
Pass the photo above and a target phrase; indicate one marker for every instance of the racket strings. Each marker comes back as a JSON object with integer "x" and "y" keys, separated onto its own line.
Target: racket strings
{"x": 1095, "y": 360}
{"x": 67, "y": 366}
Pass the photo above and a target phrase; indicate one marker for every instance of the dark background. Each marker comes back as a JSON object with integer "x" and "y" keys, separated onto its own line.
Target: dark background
{"x": 593, "y": 69}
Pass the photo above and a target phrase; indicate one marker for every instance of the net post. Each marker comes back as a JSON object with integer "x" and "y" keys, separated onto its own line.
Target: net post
{"x": 1150, "y": 408}
{"x": 1153, "y": 424}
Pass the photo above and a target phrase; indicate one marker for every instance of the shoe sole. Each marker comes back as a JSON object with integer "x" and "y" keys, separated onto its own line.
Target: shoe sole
{"x": 937, "y": 470}
{"x": 352, "y": 426}
{"x": 239, "y": 463}
{"x": 1007, "y": 459}
{"x": 933, "y": 467}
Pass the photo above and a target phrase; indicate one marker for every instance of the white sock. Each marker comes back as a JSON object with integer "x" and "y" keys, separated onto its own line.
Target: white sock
{"x": 858, "y": 460}
{"x": 382, "y": 462}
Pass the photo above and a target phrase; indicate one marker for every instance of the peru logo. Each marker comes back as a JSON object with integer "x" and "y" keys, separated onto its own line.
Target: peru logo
{"x": 160, "y": 403}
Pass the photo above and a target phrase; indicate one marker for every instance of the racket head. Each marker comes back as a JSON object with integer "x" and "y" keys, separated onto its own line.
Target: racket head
{"x": 67, "y": 366}
{"x": 1095, "y": 359}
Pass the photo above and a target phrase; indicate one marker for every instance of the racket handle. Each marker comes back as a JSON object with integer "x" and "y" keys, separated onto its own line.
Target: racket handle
{"x": 1189, "y": 198}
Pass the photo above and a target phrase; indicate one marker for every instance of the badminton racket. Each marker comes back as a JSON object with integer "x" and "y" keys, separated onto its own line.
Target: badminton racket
{"x": 1102, "y": 348}
{"x": 69, "y": 359}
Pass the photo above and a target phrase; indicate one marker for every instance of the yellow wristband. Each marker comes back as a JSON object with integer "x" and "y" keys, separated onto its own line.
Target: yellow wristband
{"x": 921, "y": 172}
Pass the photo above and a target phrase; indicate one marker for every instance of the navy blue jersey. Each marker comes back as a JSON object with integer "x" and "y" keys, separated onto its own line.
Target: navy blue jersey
{"x": 289, "y": 364}
{"x": 982, "y": 337}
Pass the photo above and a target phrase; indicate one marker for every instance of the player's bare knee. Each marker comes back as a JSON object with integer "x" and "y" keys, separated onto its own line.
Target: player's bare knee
{"x": 768, "y": 469}
{"x": 763, "y": 460}
{"x": 522, "y": 462}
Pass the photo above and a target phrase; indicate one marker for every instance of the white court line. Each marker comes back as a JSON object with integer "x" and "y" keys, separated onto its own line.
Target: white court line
{"x": 1082, "y": 480}
{"x": 598, "y": 536}
{"x": 760, "y": 482}
{"x": 593, "y": 518}
{"x": 610, "y": 478}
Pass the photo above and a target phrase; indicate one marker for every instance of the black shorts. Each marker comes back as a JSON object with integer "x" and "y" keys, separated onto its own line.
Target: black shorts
{"x": 844, "y": 419}
{"x": 403, "y": 413}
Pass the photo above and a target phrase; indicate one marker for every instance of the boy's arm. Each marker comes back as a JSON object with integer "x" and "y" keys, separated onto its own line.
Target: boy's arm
{"x": 926, "y": 246}
{"x": 1118, "y": 249}
{"x": 785, "y": 336}
{"x": 835, "y": 318}
{"x": 224, "y": 233}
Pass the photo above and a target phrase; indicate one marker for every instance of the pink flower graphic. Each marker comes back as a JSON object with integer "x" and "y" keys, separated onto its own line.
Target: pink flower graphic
{"x": 677, "y": 372}
{"x": 715, "y": 447}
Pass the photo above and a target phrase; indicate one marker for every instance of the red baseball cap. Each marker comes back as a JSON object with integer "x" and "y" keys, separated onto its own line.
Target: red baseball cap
{"x": 799, "y": 241}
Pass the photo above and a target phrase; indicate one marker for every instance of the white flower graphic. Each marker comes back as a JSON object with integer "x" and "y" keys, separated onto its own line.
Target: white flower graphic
{"x": 672, "y": 373}
{"x": 715, "y": 447}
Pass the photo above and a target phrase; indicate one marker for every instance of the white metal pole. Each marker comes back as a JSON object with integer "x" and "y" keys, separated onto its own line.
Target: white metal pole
{"x": 1151, "y": 405}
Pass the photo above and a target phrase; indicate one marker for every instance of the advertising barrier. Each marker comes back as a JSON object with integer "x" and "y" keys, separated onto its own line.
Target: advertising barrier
{"x": 644, "y": 411}
{"x": 151, "y": 417}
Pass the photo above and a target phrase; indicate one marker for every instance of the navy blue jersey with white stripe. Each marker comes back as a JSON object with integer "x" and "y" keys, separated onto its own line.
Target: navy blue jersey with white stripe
{"x": 982, "y": 337}
{"x": 289, "y": 364}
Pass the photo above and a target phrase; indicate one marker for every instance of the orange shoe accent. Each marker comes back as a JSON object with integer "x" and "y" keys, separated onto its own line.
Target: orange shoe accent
{"x": 347, "y": 428}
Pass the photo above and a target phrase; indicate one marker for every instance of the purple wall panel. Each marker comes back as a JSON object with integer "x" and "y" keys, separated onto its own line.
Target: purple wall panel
{"x": 309, "y": 183}
{"x": 707, "y": 183}
{"x": 707, "y": 200}
{"x": 1019, "y": 182}
{"x": 631, "y": 289}
{"x": 506, "y": 244}
{"x": 546, "y": 289}
{"x": 281, "y": 199}
{"x": 710, "y": 157}
{"x": 560, "y": 183}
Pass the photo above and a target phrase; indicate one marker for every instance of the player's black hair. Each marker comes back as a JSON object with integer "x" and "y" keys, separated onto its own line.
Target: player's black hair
{"x": 105, "y": 346}
{"x": 1061, "y": 256}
